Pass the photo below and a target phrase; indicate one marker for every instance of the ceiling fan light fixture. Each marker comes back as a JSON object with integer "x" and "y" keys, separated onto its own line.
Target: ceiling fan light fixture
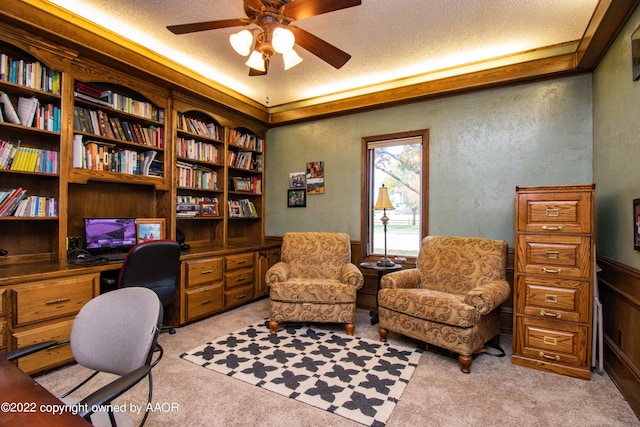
{"x": 241, "y": 42}
{"x": 291, "y": 59}
{"x": 283, "y": 40}
{"x": 256, "y": 61}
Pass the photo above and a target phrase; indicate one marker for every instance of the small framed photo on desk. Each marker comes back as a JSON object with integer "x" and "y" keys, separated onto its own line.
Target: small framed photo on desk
{"x": 150, "y": 229}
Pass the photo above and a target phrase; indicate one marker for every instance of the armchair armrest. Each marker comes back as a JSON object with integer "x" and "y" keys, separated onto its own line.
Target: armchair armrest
{"x": 351, "y": 275}
{"x": 279, "y": 272}
{"x": 30, "y": 349}
{"x": 487, "y": 297}
{"x": 403, "y": 279}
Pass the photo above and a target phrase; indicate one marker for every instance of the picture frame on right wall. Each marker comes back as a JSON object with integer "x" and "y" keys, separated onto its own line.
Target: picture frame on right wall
{"x": 635, "y": 54}
{"x": 636, "y": 224}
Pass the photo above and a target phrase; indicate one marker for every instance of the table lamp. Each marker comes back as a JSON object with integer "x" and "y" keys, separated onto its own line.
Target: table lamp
{"x": 383, "y": 203}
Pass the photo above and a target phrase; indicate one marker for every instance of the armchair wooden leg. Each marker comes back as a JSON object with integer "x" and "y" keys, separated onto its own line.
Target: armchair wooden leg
{"x": 465, "y": 363}
{"x": 350, "y": 327}
{"x": 273, "y": 326}
{"x": 383, "y": 334}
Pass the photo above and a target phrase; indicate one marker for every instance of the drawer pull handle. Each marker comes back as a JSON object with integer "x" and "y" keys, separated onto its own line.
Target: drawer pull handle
{"x": 209, "y": 301}
{"x": 552, "y": 254}
{"x": 556, "y": 357}
{"x": 241, "y": 261}
{"x": 57, "y": 301}
{"x": 241, "y": 296}
{"x": 552, "y": 228}
{"x": 553, "y": 212}
{"x": 552, "y": 270}
{"x": 206, "y": 272}
{"x": 241, "y": 279}
{"x": 551, "y": 298}
{"x": 548, "y": 314}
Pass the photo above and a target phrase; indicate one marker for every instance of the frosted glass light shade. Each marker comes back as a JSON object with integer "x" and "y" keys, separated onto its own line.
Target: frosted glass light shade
{"x": 255, "y": 61}
{"x": 291, "y": 59}
{"x": 241, "y": 42}
{"x": 283, "y": 40}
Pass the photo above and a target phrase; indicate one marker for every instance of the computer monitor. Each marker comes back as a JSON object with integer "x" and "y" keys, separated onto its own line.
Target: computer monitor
{"x": 109, "y": 234}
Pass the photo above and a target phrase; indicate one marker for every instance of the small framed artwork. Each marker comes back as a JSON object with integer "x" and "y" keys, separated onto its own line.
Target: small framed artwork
{"x": 296, "y": 198}
{"x": 315, "y": 177}
{"x": 297, "y": 180}
{"x": 209, "y": 209}
{"x": 242, "y": 184}
{"x": 635, "y": 53}
{"x": 636, "y": 224}
{"x": 150, "y": 229}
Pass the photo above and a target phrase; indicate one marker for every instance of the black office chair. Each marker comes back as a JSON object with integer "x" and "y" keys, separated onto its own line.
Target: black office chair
{"x": 153, "y": 265}
{"x": 115, "y": 333}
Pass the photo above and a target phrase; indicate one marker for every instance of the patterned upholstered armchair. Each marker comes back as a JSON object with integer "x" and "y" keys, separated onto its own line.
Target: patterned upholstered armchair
{"x": 315, "y": 280}
{"x": 450, "y": 300}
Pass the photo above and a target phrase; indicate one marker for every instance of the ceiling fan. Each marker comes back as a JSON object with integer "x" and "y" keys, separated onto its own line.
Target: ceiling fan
{"x": 272, "y": 19}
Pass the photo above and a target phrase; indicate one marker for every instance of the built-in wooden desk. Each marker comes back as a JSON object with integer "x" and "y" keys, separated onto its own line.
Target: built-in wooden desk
{"x": 24, "y": 402}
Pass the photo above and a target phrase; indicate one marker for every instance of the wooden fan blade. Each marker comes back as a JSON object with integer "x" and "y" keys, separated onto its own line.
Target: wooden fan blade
{"x": 253, "y": 4}
{"x": 320, "y": 48}
{"x": 300, "y": 9}
{"x": 195, "y": 27}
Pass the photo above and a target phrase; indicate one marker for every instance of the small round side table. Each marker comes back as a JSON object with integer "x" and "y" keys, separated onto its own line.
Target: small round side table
{"x": 382, "y": 270}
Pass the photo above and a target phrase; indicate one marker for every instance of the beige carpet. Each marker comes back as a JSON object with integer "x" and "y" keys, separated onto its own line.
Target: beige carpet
{"x": 495, "y": 393}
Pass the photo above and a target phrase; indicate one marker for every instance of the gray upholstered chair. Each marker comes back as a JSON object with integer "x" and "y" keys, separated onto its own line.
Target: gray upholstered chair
{"x": 114, "y": 333}
{"x": 315, "y": 280}
{"x": 451, "y": 299}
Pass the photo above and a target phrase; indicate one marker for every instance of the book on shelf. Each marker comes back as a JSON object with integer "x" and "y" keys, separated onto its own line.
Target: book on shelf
{"x": 12, "y": 201}
{"x": 147, "y": 158}
{"x": 9, "y": 111}
{"x": 27, "y": 110}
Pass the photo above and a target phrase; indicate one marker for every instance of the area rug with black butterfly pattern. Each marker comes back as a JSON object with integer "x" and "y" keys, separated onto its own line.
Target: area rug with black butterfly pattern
{"x": 356, "y": 378}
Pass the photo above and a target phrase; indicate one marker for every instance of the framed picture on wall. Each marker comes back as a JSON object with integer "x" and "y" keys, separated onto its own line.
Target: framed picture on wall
{"x": 636, "y": 224}
{"x": 635, "y": 53}
{"x": 296, "y": 198}
{"x": 297, "y": 180}
{"x": 150, "y": 229}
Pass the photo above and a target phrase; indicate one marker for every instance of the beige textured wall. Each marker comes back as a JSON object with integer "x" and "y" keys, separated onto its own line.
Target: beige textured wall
{"x": 481, "y": 146}
{"x": 616, "y": 135}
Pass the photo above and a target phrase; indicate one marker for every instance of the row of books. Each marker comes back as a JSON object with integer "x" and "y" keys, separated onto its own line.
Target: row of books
{"x": 97, "y": 155}
{"x": 243, "y": 208}
{"x": 198, "y": 206}
{"x": 197, "y": 150}
{"x": 32, "y": 74}
{"x": 195, "y": 176}
{"x": 98, "y": 122}
{"x": 15, "y": 202}
{"x": 209, "y": 130}
{"x": 244, "y": 140}
{"x": 17, "y": 158}
{"x": 30, "y": 113}
{"x": 118, "y": 101}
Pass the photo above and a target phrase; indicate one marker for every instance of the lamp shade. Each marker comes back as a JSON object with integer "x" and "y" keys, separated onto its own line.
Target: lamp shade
{"x": 283, "y": 40}
{"x": 241, "y": 42}
{"x": 383, "y": 201}
{"x": 291, "y": 59}
{"x": 256, "y": 61}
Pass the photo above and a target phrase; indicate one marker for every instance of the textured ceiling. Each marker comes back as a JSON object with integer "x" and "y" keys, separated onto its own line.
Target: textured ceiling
{"x": 388, "y": 40}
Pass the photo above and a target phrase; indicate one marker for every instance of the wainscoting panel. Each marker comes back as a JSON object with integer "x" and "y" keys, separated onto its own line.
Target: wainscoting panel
{"x": 619, "y": 288}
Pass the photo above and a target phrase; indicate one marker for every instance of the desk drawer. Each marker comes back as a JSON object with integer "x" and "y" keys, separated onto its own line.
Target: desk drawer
{"x": 239, "y": 261}
{"x": 238, "y": 296}
{"x": 45, "y": 359}
{"x": 558, "y": 299}
{"x": 204, "y": 301}
{"x": 555, "y": 212}
{"x": 552, "y": 341}
{"x": 203, "y": 271}
{"x": 49, "y": 299}
{"x": 238, "y": 278}
{"x": 554, "y": 256}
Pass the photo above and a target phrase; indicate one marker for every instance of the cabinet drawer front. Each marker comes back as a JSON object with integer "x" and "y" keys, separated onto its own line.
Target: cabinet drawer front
{"x": 204, "y": 301}
{"x": 551, "y": 212}
{"x": 552, "y": 341}
{"x": 3, "y": 336}
{"x": 239, "y": 261}
{"x": 238, "y": 278}
{"x": 558, "y": 299}
{"x": 203, "y": 271}
{"x": 3, "y": 301}
{"x": 52, "y": 298}
{"x": 238, "y": 296}
{"x": 568, "y": 256}
{"x": 60, "y": 331}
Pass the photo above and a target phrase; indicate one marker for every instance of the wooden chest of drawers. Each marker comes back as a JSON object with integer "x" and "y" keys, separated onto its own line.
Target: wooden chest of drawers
{"x": 203, "y": 294}
{"x": 238, "y": 279}
{"x": 554, "y": 279}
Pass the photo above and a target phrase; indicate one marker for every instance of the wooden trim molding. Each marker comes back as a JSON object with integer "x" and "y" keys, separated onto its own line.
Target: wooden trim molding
{"x": 619, "y": 291}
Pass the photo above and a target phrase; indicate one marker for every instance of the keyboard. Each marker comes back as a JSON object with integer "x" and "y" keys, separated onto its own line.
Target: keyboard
{"x": 114, "y": 257}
